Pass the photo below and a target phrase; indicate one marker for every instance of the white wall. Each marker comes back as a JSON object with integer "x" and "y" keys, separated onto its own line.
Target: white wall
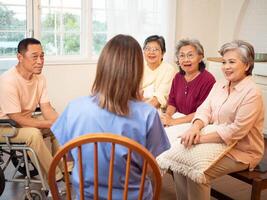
{"x": 252, "y": 24}
{"x": 231, "y": 11}
{"x": 66, "y": 82}
{"x": 200, "y": 20}
{"x": 212, "y": 22}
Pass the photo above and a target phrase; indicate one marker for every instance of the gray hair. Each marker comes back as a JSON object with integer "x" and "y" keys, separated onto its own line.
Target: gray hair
{"x": 245, "y": 50}
{"x": 194, "y": 43}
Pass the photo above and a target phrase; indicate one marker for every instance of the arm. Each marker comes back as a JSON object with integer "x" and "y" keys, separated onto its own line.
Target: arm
{"x": 247, "y": 116}
{"x": 163, "y": 83}
{"x": 48, "y": 112}
{"x": 192, "y": 135}
{"x": 169, "y": 121}
{"x": 213, "y": 137}
{"x": 154, "y": 102}
{"x": 170, "y": 110}
{"x": 157, "y": 140}
{"x": 28, "y": 121}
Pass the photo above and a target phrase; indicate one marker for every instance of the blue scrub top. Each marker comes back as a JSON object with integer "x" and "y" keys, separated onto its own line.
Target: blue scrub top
{"x": 143, "y": 125}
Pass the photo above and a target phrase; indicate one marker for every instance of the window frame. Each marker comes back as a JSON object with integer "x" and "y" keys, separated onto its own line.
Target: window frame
{"x": 87, "y": 53}
{"x": 33, "y": 29}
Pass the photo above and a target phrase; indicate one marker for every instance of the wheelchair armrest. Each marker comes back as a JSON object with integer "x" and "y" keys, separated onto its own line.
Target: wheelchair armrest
{"x": 9, "y": 123}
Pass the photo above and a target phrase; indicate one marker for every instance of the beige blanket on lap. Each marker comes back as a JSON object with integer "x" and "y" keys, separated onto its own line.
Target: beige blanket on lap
{"x": 191, "y": 162}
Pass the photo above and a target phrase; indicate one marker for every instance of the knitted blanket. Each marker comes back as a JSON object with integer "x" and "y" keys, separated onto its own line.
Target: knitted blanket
{"x": 191, "y": 162}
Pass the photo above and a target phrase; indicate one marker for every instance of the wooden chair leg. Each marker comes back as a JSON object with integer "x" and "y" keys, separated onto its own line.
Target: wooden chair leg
{"x": 256, "y": 190}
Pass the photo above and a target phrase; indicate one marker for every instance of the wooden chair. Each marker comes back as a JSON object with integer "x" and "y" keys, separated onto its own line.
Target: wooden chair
{"x": 132, "y": 146}
{"x": 257, "y": 179}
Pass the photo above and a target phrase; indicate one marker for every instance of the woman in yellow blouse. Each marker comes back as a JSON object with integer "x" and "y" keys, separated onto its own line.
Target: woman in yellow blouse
{"x": 158, "y": 74}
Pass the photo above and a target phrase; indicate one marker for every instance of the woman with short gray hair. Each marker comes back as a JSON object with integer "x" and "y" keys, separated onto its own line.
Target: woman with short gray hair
{"x": 190, "y": 86}
{"x": 235, "y": 106}
{"x": 246, "y": 52}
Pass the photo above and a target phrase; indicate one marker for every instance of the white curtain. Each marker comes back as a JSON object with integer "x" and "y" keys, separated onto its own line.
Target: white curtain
{"x": 142, "y": 18}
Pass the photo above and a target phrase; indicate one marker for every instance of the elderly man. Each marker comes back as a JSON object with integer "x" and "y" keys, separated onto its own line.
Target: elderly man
{"x": 22, "y": 89}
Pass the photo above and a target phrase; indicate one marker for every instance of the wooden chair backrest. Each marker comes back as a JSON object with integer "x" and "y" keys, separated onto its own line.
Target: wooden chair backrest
{"x": 96, "y": 138}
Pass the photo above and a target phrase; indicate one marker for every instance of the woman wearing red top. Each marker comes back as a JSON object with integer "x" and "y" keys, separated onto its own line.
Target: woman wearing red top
{"x": 191, "y": 85}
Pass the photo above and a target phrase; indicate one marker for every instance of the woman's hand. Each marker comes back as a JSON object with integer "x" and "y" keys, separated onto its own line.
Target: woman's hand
{"x": 167, "y": 120}
{"x": 191, "y": 137}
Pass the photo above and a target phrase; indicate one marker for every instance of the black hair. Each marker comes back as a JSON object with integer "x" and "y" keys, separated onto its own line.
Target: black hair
{"x": 155, "y": 38}
{"x": 23, "y": 44}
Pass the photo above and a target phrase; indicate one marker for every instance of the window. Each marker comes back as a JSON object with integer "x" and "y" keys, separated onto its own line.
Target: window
{"x": 77, "y": 30}
{"x": 12, "y": 25}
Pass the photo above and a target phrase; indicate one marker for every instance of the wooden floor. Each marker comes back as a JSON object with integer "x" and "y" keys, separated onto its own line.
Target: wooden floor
{"x": 228, "y": 185}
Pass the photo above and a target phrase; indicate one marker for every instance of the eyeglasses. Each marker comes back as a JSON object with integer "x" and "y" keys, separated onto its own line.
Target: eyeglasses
{"x": 189, "y": 56}
{"x": 151, "y": 49}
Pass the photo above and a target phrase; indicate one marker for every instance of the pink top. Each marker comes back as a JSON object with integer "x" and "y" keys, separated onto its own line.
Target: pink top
{"x": 240, "y": 117}
{"x": 20, "y": 95}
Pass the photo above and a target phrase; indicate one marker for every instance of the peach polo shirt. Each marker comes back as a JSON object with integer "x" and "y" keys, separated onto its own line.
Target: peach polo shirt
{"x": 239, "y": 116}
{"x": 20, "y": 95}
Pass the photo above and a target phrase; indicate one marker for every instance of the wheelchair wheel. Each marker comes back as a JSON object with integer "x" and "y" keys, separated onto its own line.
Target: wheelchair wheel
{"x": 2, "y": 181}
{"x": 33, "y": 195}
{"x": 22, "y": 168}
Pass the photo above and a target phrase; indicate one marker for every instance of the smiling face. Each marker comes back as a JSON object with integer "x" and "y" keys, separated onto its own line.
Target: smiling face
{"x": 31, "y": 61}
{"x": 234, "y": 69}
{"x": 189, "y": 59}
{"x": 153, "y": 54}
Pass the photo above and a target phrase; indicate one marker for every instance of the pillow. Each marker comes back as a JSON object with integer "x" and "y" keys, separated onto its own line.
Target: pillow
{"x": 195, "y": 161}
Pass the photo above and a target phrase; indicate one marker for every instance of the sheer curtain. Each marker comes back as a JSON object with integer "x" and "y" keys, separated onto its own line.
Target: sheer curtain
{"x": 142, "y": 18}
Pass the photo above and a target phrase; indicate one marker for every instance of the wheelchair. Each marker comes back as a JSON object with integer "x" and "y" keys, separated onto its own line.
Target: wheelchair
{"x": 16, "y": 154}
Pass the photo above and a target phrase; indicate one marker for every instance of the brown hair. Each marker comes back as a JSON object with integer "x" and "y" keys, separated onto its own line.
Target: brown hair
{"x": 119, "y": 74}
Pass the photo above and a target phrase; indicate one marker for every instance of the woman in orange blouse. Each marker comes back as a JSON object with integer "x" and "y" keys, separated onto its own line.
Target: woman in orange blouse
{"x": 236, "y": 107}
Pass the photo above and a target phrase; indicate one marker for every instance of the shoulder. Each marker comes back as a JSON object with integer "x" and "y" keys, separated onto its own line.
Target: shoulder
{"x": 207, "y": 75}
{"x": 9, "y": 76}
{"x": 142, "y": 110}
{"x": 251, "y": 87}
{"x": 81, "y": 102}
{"x": 40, "y": 77}
{"x": 168, "y": 66}
{"x": 178, "y": 76}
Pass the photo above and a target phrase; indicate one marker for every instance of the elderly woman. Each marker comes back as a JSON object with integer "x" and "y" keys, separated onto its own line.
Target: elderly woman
{"x": 190, "y": 86}
{"x": 158, "y": 75}
{"x": 236, "y": 107}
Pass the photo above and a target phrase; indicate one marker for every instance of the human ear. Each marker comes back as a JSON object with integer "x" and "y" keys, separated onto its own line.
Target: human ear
{"x": 20, "y": 57}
